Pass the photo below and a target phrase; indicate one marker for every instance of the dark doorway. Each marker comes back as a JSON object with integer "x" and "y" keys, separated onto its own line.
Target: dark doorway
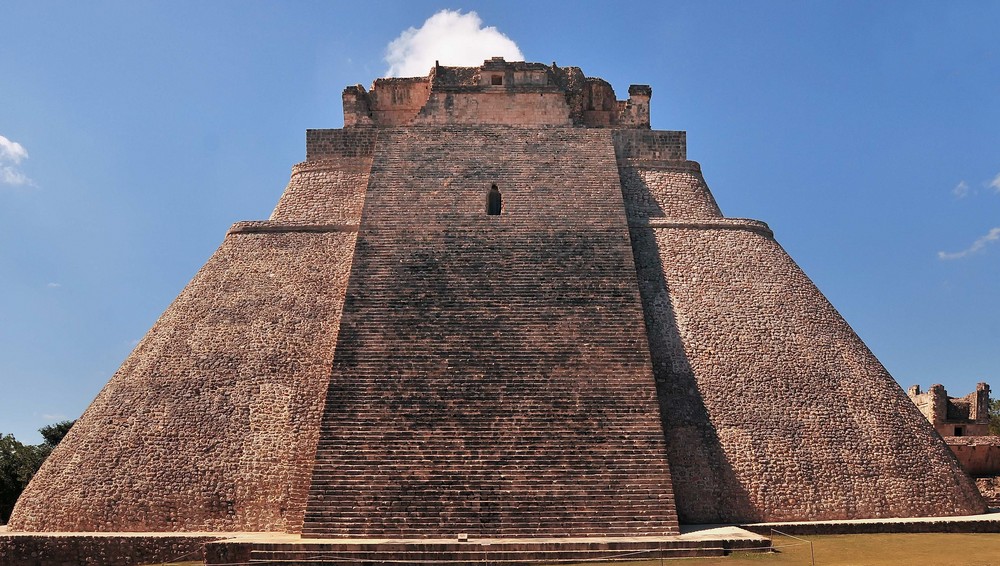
{"x": 494, "y": 201}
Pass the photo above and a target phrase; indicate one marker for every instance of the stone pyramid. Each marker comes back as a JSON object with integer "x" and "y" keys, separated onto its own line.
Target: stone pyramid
{"x": 496, "y": 302}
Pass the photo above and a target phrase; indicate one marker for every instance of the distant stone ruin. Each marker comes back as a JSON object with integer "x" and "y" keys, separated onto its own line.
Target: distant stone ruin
{"x": 964, "y": 423}
{"x": 495, "y": 304}
{"x": 954, "y": 416}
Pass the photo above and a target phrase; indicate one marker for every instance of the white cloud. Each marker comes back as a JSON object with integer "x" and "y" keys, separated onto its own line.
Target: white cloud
{"x": 11, "y": 176}
{"x": 961, "y": 190}
{"x": 12, "y": 151}
{"x": 54, "y": 285}
{"x": 54, "y": 416}
{"x": 11, "y": 155}
{"x": 450, "y": 37}
{"x": 995, "y": 183}
{"x": 992, "y": 236}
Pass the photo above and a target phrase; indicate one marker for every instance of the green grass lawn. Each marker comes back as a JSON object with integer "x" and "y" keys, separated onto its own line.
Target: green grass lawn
{"x": 852, "y": 550}
{"x": 931, "y": 549}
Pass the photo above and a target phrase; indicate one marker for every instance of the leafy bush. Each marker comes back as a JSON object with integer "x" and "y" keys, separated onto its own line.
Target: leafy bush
{"x": 19, "y": 463}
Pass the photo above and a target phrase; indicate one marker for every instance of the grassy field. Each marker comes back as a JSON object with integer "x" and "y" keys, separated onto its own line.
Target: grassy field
{"x": 864, "y": 550}
{"x": 853, "y": 550}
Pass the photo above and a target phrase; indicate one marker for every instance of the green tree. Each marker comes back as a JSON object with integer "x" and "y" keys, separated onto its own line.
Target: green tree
{"x": 16, "y": 463}
{"x": 19, "y": 462}
{"x": 54, "y": 433}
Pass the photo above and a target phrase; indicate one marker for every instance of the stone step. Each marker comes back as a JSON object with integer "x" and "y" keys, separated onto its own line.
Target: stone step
{"x": 492, "y": 370}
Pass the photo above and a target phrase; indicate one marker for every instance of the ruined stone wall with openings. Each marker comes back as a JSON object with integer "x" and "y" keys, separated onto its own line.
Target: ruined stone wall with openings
{"x": 498, "y": 92}
{"x": 397, "y": 101}
{"x": 954, "y": 416}
{"x": 492, "y": 376}
{"x": 933, "y": 403}
{"x": 976, "y": 407}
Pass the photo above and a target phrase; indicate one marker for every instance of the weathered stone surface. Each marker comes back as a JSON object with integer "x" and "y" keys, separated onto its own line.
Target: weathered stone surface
{"x": 515, "y": 93}
{"x": 989, "y": 487}
{"x": 211, "y": 423}
{"x": 979, "y": 455}
{"x": 954, "y": 416}
{"x": 492, "y": 375}
{"x": 773, "y": 408}
{"x": 100, "y": 549}
{"x": 605, "y": 356}
{"x": 330, "y": 190}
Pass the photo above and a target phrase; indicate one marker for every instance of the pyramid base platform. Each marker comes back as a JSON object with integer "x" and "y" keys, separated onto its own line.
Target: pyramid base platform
{"x": 133, "y": 549}
{"x": 293, "y": 551}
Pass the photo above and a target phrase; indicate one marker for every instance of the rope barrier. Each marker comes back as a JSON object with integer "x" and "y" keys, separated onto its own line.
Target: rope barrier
{"x": 812, "y": 551}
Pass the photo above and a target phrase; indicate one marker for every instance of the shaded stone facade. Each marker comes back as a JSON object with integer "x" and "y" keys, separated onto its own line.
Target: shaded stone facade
{"x": 607, "y": 355}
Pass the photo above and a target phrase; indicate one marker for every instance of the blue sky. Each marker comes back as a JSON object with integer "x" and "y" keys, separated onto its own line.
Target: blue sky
{"x": 134, "y": 133}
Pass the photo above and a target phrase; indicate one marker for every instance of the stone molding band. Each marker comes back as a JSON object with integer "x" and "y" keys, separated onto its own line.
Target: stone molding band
{"x": 267, "y": 227}
{"x": 746, "y": 224}
{"x": 359, "y": 164}
{"x": 659, "y": 164}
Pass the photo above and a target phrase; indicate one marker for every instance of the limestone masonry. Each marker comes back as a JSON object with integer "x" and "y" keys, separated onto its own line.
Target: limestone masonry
{"x": 591, "y": 348}
{"x": 964, "y": 424}
{"x": 965, "y": 416}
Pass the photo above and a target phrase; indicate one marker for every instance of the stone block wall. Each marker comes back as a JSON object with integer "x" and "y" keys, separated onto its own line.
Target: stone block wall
{"x": 212, "y": 421}
{"x": 100, "y": 550}
{"x": 674, "y": 190}
{"x": 492, "y": 375}
{"x": 496, "y": 105}
{"x": 638, "y": 147}
{"x": 339, "y": 144}
{"x": 979, "y": 455}
{"x": 933, "y": 404}
{"x": 397, "y": 101}
{"x": 954, "y": 416}
{"x": 607, "y": 355}
{"x": 498, "y": 92}
{"x": 773, "y": 408}
{"x": 330, "y": 191}
{"x": 634, "y": 112}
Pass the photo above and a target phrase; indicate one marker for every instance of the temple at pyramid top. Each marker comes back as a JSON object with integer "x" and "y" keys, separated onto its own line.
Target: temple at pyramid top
{"x": 497, "y": 92}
